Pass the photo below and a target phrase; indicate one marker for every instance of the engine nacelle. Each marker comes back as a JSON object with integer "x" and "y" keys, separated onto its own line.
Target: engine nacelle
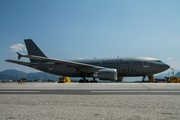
{"x": 106, "y": 74}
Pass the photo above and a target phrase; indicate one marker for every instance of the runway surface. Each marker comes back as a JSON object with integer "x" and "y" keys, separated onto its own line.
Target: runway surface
{"x": 90, "y": 101}
{"x": 94, "y": 92}
{"x": 92, "y": 88}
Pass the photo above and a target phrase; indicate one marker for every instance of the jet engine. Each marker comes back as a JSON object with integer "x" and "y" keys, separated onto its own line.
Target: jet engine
{"x": 106, "y": 74}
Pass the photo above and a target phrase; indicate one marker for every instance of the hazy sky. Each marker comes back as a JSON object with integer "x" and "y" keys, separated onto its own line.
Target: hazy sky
{"x": 73, "y": 29}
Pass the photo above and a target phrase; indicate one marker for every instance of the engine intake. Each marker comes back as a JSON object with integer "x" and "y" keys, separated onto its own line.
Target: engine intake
{"x": 106, "y": 74}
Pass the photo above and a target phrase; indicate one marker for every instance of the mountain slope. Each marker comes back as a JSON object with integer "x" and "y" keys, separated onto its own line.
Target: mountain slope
{"x": 178, "y": 74}
{"x": 14, "y": 73}
{"x": 6, "y": 77}
{"x": 41, "y": 75}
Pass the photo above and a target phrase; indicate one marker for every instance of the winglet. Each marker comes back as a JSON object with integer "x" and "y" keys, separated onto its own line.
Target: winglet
{"x": 19, "y": 55}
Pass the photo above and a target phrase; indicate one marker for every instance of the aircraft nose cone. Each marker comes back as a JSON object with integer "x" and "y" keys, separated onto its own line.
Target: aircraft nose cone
{"x": 166, "y": 66}
{"x": 162, "y": 67}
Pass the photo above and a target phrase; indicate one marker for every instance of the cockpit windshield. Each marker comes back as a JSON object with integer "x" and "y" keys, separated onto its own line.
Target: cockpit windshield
{"x": 158, "y": 61}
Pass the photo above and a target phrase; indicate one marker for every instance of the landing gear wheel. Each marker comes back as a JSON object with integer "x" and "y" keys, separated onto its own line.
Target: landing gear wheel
{"x": 81, "y": 81}
{"x": 93, "y": 81}
{"x": 86, "y": 81}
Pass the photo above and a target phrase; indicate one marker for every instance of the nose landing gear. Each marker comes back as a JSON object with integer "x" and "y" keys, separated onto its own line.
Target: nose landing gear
{"x": 143, "y": 78}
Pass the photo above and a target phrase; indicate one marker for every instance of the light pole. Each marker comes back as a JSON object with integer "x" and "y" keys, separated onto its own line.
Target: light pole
{"x": 172, "y": 71}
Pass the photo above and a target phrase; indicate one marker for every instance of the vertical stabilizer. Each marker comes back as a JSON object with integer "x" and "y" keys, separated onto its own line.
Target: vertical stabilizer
{"x": 33, "y": 49}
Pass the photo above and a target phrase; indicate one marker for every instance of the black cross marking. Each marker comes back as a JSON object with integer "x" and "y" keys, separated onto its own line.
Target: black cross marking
{"x": 128, "y": 70}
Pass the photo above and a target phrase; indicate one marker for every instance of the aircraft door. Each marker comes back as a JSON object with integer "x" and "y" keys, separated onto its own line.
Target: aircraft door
{"x": 146, "y": 64}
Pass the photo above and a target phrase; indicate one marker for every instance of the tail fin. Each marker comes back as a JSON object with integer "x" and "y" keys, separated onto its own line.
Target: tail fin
{"x": 33, "y": 49}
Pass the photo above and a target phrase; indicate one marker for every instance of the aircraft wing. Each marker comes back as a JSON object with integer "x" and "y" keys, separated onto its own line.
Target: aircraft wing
{"x": 81, "y": 66}
{"x": 21, "y": 63}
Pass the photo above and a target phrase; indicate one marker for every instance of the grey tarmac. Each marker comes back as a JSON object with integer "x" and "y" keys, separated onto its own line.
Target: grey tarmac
{"x": 93, "y": 92}
{"x": 97, "y": 101}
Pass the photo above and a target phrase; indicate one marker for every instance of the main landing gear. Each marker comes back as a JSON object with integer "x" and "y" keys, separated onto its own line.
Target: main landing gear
{"x": 87, "y": 81}
{"x": 93, "y": 81}
{"x": 83, "y": 81}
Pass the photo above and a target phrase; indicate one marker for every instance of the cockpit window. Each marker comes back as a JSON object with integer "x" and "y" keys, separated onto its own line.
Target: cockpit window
{"x": 158, "y": 61}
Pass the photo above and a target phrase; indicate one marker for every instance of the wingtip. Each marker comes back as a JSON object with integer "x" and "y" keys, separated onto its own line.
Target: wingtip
{"x": 8, "y": 60}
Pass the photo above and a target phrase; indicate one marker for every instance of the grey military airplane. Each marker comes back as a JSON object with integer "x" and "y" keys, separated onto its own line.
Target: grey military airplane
{"x": 113, "y": 69}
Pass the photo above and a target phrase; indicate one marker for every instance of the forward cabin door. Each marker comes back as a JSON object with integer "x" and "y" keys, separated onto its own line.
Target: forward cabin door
{"x": 146, "y": 64}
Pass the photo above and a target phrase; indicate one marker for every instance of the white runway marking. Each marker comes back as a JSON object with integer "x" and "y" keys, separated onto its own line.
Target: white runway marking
{"x": 20, "y": 91}
{"x": 131, "y": 91}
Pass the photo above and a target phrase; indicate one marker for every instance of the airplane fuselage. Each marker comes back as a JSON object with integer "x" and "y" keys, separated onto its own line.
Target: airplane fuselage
{"x": 126, "y": 67}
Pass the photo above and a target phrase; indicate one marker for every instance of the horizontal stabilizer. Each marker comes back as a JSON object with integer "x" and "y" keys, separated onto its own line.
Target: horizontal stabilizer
{"x": 19, "y": 55}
